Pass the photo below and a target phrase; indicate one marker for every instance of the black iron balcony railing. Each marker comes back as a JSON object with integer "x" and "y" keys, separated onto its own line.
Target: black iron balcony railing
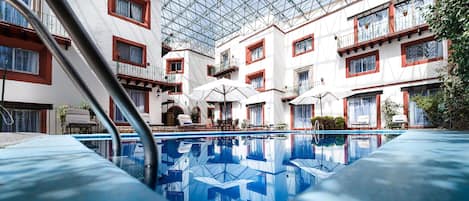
{"x": 154, "y": 73}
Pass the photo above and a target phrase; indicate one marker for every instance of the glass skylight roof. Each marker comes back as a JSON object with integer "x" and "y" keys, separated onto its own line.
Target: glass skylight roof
{"x": 200, "y": 24}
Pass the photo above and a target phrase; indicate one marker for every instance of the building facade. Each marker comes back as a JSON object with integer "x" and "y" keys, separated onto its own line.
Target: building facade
{"x": 376, "y": 50}
{"x": 127, "y": 34}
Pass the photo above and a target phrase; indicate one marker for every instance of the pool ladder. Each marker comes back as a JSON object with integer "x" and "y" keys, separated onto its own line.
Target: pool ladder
{"x": 103, "y": 72}
{"x": 315, "y": 131}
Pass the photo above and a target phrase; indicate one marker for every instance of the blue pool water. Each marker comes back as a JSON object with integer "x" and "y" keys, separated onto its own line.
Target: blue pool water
{"x": 241, "y": 167}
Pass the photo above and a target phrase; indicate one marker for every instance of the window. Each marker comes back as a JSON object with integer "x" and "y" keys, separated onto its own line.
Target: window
{"x": 373, "y": 25}
{"x": 362, "y": 106}
{"x": 225, "y": 59}
{"x": 228, "y": 114}
{"x": 255, "y": 114}
{"x": 135, "y": 11}
{"x": 362, "y": 64}
{"x": 255, "y": 52}
{"x": 301, "y": 116}
{"x": 19, "y": 60}
{"x": 25, "y": 120}
{"x": 25, "y": 61}
{"x": 256, "y": 80}
{"x": 211, "y": 70}
{"x": 421, "y": 51}
{"x": 303, "y": 82}
{"x": 129, "y": 52}
{"x": 303, "y": 45}
{"x": 410, "y": 13}
{"x": 177, "y": 89}
{"x": 302, "y": 147}
{"x": 417, "y": 116}
{"x": 11, "y": 15}
{"x": 175, "y": 66}
{"x": 141, "y": 100}
{"x": 256, "y": 149}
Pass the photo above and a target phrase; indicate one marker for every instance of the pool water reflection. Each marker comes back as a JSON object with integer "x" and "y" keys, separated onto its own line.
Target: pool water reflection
{"x": 275, "y": 167}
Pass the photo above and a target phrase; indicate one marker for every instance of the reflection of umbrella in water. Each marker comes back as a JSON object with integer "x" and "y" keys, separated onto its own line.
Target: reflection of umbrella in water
{"x": 224, "y": 175}
{"x": 319, "y": 168}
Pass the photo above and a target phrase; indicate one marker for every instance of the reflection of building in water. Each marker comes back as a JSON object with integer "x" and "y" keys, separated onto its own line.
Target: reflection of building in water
{"x": 244, "y": 168}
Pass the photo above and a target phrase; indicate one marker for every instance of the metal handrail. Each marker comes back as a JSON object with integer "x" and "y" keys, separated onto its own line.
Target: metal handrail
{"x": 103, "y": 72}
{"x": 102, "y": 69}
{"x": 70, "y": 71}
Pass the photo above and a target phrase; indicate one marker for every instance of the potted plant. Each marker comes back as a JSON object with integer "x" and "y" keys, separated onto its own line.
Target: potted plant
{"x": 61, "y": 114}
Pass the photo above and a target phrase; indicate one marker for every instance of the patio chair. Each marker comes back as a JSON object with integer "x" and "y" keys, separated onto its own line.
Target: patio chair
{"x": 399, "y": 121}
{"x": 79, "y": 118}
{"x": 147, "y": 119}
{"x": 362, "y": 121}
{"x": 185, "y": 121}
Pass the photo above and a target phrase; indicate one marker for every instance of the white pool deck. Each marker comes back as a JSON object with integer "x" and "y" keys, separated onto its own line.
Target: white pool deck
{"x": 416, "y": 166}
{"x": 61, "y": 168}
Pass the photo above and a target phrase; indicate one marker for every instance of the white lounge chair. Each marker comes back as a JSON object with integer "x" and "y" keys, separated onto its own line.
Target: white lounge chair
{"x": 185, "y": 121}
{"x": 78, "y": 118}
{"x": 362, "y": 120}
{"x": 399, "y": 121}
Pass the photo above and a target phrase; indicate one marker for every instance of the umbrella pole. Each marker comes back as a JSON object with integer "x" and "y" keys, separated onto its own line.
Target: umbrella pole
{"x": 320, "y": 103}
{"x": 224, "y": 109}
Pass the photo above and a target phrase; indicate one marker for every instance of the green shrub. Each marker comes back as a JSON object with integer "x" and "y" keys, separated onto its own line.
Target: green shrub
{"x": 329, "y": 123}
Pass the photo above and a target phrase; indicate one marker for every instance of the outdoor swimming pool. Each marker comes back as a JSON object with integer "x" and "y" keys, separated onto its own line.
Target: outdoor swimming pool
{"x": 241, "y": 167}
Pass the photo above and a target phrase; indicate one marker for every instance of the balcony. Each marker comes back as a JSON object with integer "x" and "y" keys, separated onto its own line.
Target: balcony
{"x": 378, "y": 33}
{"x": 153, "y": 75}
{"x": 293, "y": 91}
{"x": 224, "y": 68}
{"x": 17, "y": 26}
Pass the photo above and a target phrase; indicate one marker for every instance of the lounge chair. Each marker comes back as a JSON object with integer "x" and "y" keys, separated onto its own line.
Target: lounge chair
{"x": 79, "y": 118}
{"x": 185, "y": 121}
{"x": 362, "y": 121}
{"x": 399, "y": 121}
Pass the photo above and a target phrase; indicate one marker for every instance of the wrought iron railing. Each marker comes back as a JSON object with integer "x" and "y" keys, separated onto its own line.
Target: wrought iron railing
{"x": 224, "y": 65}
{"x": 409, "y": 20}
{"x": 50, "y": 21}
{"x": 296, "y": 90}
{"x": 154, "y": 73}
{"x": 375, "y": 30}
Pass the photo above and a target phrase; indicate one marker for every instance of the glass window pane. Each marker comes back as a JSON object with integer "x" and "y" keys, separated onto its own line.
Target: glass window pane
{"x": 123, "y": 7}
{"x": 26, "y": 61}
{"x": 136, "y": 12}
{"x": 6, "y": 57}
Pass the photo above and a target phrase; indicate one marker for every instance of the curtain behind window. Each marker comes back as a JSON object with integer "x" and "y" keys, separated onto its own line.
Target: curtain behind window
{"x": 362, "y": 106}
{"x": 138, "y": 98}
{"x": 11, "y": 15}
{"x": 302, "y": 147}
{"x": 363, "y": 64}
{"x": 136, "y": 12}
{"x": 255, "y": 114}
{"x": 303, "y": 82}
{"x": 19, "y": 60}
{"x": 257, "y": 82}
{"x": 256, "y": 53}
{"x": 122, "y": 7}
{"x": 25, "y": 121}
{"x": 302, "y": 116}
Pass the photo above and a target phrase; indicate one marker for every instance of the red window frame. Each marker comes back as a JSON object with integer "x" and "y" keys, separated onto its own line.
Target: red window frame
{"x": 423, "y": 61}
{"x": 294, "y": 54}
{"x": 146, "y": 107}
{"x": 292, "y": 117}
{"x": 248, "y": 112}
{"x": 168, "y": 65}
{"x": 45, "y": 61}
{"x": 146, "y": 12}
{"x": 253, "y": 46}
{"x": 179, "y": 92}
{"x": 348, "y": 60}
{"x": 254, "y": 75}
{"x": 115, "y": 52}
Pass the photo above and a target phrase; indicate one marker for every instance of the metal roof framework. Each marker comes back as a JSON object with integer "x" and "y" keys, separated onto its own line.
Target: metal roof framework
{"x": 200, "y": 24}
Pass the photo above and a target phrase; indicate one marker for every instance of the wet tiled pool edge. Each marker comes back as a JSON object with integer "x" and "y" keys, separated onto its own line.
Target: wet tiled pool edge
{"x": 420, "y": 165}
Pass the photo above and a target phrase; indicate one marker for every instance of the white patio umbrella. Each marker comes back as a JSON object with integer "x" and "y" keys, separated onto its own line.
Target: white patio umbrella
{"x": 317, "y": 94}
{"x": 223, "y": 90}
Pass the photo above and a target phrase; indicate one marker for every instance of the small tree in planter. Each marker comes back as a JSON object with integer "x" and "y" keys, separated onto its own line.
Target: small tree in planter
{"x": 390, "y": 108}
